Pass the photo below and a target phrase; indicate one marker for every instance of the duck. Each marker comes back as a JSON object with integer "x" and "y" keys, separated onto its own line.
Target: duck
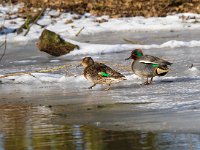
{"x": 99, "y": 73}
{"x": 147, "y": 66}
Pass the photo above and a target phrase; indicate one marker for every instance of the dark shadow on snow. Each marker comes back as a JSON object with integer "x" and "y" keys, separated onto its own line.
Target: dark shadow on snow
{"x": 179, "y": 79}
{"x": 5, "y": 30}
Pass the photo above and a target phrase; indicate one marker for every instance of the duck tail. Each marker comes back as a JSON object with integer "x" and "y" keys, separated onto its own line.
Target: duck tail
{"x": 118, "y": 75}
{"x": 162, "y": 71}
{"x": 121, "y": 77}
{"x": 124, "y": 78}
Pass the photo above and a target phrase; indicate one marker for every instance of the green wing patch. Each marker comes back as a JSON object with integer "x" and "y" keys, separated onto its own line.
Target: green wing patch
{"x": 155, "y": 65}
{"x": 103, "y": 74}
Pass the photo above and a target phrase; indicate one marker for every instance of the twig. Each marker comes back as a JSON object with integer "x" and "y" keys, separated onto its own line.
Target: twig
{"x": 16, "y": 74}
{"x": 120, "y": 66}
{"x": 77, "y": 34}
{"x": 4, "y": 51}
{"x": 36, "y": 19}
{"x": 42, "y": 26}
{"x": 69, "y": 72}
{"x": 52, "y": 69}
{"x": 5, "y": 47}
{"x": 5, "y": 42}
{"x": 39, "y": 71}
{"x": 132, "y": 42}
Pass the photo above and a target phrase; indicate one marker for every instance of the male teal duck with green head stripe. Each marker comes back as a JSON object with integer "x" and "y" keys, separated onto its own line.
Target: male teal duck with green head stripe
{"x": 147, "y": 66}
{"x": 99, "y": 73}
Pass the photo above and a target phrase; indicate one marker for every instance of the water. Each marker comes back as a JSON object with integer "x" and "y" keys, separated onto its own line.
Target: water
{"x": 56, "y": 111}
{"x": 30, "y": 127}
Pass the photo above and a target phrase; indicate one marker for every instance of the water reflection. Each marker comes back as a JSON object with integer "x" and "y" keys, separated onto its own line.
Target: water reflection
{"x": 29, "y": 127}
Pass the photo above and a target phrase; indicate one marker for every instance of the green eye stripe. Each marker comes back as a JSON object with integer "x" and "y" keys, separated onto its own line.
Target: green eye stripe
{"x": 139, "y": 54}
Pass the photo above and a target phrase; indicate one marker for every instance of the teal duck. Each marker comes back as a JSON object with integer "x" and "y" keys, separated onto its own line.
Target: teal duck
{"x": 99, "y": 73}
{"x": 147, "y": 66}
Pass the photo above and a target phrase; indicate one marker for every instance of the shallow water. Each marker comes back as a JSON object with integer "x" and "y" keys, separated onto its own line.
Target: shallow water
{"x": 56, "y": 111}
{"x": 31, "y": 127}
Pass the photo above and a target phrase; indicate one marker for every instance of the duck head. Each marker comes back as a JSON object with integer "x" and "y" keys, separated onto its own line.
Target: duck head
{"x": 87, "y": 61}
{"x": 135, "y": 54}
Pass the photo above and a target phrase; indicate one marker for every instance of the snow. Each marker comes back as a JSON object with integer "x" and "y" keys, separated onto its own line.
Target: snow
{"x": 79, "y": 79}
{"x": 51, "y": 78}
{"x": 91, "y": 26}
{"x": 92, "y": 49}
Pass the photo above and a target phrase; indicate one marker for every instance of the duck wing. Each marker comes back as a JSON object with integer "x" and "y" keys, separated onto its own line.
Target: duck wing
{"x": 155, "y": 61}
{"x": 106, "y": 71}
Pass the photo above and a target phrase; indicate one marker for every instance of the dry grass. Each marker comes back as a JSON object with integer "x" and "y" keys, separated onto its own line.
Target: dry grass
{"x": 119, "y": 8}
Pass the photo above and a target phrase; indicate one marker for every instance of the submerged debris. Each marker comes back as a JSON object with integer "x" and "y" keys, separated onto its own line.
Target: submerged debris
{"x": 191, "y": 66}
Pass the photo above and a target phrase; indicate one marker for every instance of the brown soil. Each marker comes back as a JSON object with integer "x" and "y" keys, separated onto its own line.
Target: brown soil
{"x": 119, "y": 8}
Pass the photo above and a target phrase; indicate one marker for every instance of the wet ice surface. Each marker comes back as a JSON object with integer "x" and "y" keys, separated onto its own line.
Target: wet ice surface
{"x": 167, "y": 111}
{"x": 176, "y": 94}
{"x": 178, "y": 91}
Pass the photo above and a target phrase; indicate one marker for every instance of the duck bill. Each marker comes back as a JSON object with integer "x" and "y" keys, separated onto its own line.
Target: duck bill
{"x": 128, "y": 58}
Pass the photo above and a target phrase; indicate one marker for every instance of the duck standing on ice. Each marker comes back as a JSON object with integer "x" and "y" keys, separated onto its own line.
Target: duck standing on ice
{"x": 99, "y": 73}
{"x": 147, "y": 66}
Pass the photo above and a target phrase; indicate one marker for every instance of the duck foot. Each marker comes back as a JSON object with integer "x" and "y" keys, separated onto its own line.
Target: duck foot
{"x": 146, "y": 83}
{"x": 91, "y": 86}
{"x": 108, "y": 88}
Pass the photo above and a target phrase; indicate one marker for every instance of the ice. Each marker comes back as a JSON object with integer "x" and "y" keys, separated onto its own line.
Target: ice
{"x": 177, "y": 91}
{"x": 24, "y": 61}
{"x": 194, "y": 69}
{"x": 54, "y": 61}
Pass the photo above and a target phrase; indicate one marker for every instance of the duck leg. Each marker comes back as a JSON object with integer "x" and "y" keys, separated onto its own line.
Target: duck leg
{"x": 151, "y": 80}
{"x": 92, "y": 86}
{"x": 108, "y": 88}
{"x": 147, "y": 82}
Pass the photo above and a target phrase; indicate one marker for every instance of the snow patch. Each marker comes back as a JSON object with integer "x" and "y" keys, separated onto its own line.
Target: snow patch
{"x": 91, "y": 25}
{"x": 93, "y": 49}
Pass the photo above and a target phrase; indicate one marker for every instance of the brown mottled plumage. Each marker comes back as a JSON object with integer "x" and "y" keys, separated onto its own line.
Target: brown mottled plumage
{"x": 99, "y": 73}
